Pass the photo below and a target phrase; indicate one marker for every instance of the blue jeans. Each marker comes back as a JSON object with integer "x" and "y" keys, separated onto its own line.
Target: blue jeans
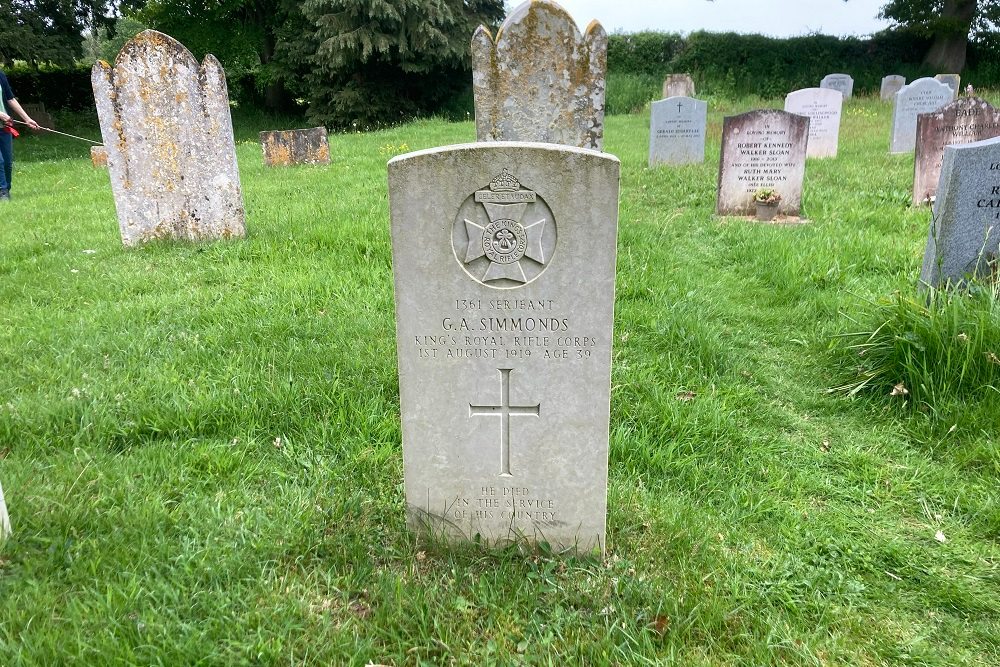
{"x": 6, "y": 160}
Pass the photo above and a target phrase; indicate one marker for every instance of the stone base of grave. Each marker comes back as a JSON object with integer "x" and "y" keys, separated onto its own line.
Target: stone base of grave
{"x": 779, "y": 220}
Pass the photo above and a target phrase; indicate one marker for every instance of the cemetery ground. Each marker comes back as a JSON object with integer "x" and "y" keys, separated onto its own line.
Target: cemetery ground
{"x": 200, "y": 444}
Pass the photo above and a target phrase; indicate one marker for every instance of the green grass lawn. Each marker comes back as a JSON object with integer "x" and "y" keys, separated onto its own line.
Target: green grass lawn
{"x": 200, "y": 444}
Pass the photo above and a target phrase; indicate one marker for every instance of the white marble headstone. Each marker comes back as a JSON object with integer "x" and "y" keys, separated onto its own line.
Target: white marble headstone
{"x": 541, "y": 79}
{"x": 762, "y": 149}
{"x": 504, "y": 269}
{"x": 890, "y": 86}
{"x": 964, "y": 235}
{"x": 921, "y": 96}
{"x": 823, "y": 107}
{"x": 842, "y": 82}
{"x": 677, "y": 131}
{"x": 169, "y": 140}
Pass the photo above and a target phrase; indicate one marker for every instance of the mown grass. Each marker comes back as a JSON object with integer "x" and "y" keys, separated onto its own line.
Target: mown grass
{"x": 200, "y": 444}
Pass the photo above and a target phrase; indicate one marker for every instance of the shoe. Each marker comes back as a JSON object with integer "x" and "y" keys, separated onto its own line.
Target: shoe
{"x": 5, "y": 195}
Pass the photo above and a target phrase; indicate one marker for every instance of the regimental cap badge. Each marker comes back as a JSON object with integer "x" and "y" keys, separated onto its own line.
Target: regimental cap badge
{"x": 504, "y": 236}
{"x": 505, "y": 182}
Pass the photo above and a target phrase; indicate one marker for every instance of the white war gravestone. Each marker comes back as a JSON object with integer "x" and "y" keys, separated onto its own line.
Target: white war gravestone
{"x": 504, "y": 266}
{"x": 5, "y": 530}
{"x": 921, "y": 96}
{"x": 762, "y": 149}
{"x": 964, "y": 121}
{"x": 169, "y": 139}
{"x": 890, "y": 86}
{"x": 823, "y": 107}
{"x": 964, "y": 235}
{"x": 842, "y": 82}
{"x": 677, "y": 131}
{"x": 541, "y": 80}
{"x": 678, "y": 85}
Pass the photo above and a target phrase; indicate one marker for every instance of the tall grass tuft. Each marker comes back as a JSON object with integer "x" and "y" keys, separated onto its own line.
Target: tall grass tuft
{"x": 926, "y": 349}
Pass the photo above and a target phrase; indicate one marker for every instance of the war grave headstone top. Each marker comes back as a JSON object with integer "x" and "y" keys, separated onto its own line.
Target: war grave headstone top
{"x": 762, "y": 149}
{"x": 964, "y": 235}
{"x": 842, "y": 82}
{"x": 283, "y": 148}
{"x": 677, "y": 131}
{"x": 169, "y": 138}
{"x": 890, "y": 86}
{"x": 678, "y": 85}
{"x": 921, "y": 96}
{"x": 541, "y": 80}
{"x": 504, "y": 270}
{"x": 953, "y": 81}
{"x": 823, "y": 107}
{"x": 964, "y": 121}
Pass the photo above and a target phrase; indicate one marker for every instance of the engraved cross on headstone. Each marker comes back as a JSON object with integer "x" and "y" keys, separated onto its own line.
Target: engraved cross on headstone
{"x": 679, "y": 105}
{"x": 505, "y": 410}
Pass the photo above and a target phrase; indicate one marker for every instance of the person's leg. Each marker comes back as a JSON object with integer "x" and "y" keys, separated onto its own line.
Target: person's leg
{"x": 6, "y": 161}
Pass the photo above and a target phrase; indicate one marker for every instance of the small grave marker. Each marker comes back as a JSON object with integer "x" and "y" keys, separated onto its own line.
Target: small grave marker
{"x": 823, "y": 108}
{"x": 678, "y": 85}
{"x": 842, "y": 82}
{"x": 677, "y": 131}
{"x": 921, "y": 96}
{"x": 890, "y": 86}
{"x": 762, "y": 149}
{"x": 283, "y": 148}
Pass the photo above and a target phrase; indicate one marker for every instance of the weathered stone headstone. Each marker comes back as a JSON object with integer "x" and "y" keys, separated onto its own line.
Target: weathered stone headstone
{"x": 762, "y": 149}
{"x": 504, "y": 268}
{"x": 842, "y": 82}
{"x": 169, "y": 138}
{"x": 38, "y": 114}
{"x": 283, "y": 148}
{"x": 890, "y": 86}
{"x": 964, "y": 236}
{"x": 678, "y": 85}
{"x": 964, "y": 121}
{"x": 953, "y": 81}
{"x": 823, "y": 107}
{"x": 99, "y": 156}
{"x": 921, "y": 96}
{"x": 541, "y": 80}
{"x": 677, "y": 131}
{"x": 4, "y": 518}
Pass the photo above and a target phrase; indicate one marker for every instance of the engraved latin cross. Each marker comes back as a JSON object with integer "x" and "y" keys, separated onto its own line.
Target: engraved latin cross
{"x": 505, "y": 411}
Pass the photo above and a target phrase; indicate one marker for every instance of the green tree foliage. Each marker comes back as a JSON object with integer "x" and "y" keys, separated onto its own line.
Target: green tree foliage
{"x": 949, "y": 23}
{"x": 48, "y": 31}
{"x": 369, "y": 62}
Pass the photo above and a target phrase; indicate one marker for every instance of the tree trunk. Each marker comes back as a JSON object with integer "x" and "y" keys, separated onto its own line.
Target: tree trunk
{"x": 947, "y": 53}
{"x": 274, "y": 90}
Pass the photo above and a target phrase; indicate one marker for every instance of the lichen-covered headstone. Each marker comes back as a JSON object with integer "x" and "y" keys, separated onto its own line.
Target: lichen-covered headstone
{"x": 283, "y": 148}
{"x": 953, "y": 81}
{"x": 99, "y": 156}
{"x": 4, "y": 518}
{"x": 823, "y": 107}
{"x": 541, "y": 80}
{"x": 842, "y": 82}
{"x": 678, "y": 85}
{"x": 503, "y": 255}
{"x": 890, "y": 86}
{"x": 964, "y": 121}
{"x": 964, "y": 236}
{"x": 677, "y": 131}
{"x": 921, "y": 96}
{"x": 762, "y": 149}
{"x": 169, "y": 138}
